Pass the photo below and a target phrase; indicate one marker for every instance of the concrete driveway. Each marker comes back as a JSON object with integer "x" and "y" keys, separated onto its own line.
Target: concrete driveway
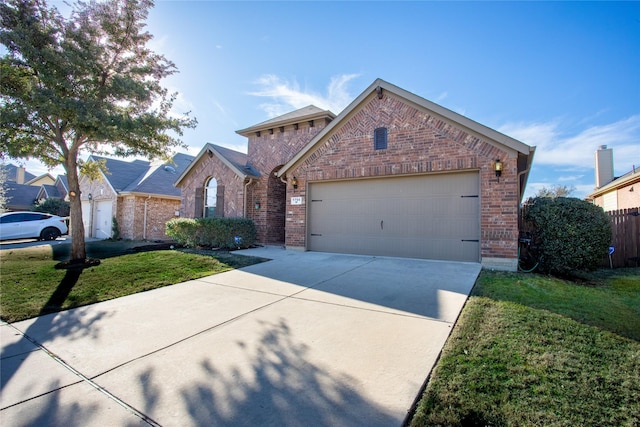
{"x": 305, "y": 339}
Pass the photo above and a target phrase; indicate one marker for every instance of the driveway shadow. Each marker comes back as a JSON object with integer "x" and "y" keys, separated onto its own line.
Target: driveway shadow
{"x": 280, "y": 387}
{"x": 50, "y": 325}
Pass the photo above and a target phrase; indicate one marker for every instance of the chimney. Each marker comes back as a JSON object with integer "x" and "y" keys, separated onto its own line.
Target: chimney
{"x": 20, "y": 175}
{"x": 604, "y": 166}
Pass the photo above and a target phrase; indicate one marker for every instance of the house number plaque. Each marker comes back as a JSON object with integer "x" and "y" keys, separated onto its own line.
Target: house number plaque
{"x": 296, "y": 200}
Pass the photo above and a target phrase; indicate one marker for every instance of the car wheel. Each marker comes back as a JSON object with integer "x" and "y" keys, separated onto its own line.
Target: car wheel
{"x": 50, "y": 233}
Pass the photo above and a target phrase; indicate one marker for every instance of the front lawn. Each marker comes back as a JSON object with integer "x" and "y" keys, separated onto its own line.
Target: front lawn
{"x": 532, "y": 350}
{"x": 30, "y": 285}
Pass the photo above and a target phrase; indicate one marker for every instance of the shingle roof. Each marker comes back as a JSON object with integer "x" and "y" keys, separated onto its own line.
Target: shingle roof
{"x": 140, "y": 176}
{"x": 237, "y": 161}
{"x": 12, "y": 171}
{"x": 49, "y": 191}
{"x": 20, "y": 196}
{"x": 159, "y": 178}
{"x": 63, "y": 179}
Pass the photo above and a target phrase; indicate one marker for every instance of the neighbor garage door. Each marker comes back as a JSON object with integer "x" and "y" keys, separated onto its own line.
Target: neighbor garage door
{"x": 427, "y": 216}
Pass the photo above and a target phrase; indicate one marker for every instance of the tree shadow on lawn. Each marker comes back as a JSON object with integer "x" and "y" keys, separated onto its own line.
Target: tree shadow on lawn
{"x": 108, "y": 249}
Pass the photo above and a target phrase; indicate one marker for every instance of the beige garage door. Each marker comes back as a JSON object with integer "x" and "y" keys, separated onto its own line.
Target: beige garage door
{"x": 428, "y": 216}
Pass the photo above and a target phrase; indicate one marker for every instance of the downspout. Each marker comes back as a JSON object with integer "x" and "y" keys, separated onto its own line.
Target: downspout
{"x": 144, "y": 229}
{"x": 245, "y": 197}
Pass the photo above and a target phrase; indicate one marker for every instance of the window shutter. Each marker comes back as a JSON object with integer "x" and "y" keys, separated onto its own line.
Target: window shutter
{"x": 380, "y": 139}
{"x": 199, "y": 203}
{"x": 220, "y": 201}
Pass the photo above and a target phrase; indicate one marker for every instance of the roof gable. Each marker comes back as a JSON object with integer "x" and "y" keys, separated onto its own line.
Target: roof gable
{"x": 377, "y": 88}
{"x": 48, "y": 191}
{"x": 235, "y": 160}
{"x": 44, "y": 179}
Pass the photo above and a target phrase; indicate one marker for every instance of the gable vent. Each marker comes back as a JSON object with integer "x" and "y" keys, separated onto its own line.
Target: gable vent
{"x": 380, "y": 139}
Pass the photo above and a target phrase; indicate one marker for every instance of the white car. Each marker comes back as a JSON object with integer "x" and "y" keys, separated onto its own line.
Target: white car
{"x": 27, "y": 225}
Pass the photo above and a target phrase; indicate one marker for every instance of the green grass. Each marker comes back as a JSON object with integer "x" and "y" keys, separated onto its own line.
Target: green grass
{"x": 531, "y": 350}
{"x": 31, "y": 286}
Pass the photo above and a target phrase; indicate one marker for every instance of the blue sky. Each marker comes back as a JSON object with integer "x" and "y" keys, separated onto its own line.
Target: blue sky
{"x": 562, "y": 76}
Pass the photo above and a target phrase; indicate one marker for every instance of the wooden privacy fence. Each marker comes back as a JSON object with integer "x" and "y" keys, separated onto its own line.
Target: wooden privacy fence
{"x": 625, "y": 230}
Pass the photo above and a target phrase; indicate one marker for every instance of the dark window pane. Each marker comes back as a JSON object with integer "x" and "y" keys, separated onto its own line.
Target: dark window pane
{"x": 380, "y": 139}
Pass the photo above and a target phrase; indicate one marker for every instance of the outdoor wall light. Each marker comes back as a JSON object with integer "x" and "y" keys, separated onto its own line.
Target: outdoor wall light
{"x": 90, "y": 197}
{"x": 72, "y": 193}
{"x": 257, "y": 205}
{"x": 294, "y": 182}
{"x": 497, "y": 166}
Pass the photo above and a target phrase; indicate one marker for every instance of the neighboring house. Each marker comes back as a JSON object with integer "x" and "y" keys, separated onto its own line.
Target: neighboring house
{"x": 58, "y": 190}
{"x": 614, "y": 193}
{"x": 391, "y": 175}
{"x": 139, "y": 194}
{"x": 25, "y": 189}
{"x": 20, "y": 194}
{"x": 44, "y": 179}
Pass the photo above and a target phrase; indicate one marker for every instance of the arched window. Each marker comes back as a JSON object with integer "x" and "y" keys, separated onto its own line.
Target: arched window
{"x": 210, "y": 198}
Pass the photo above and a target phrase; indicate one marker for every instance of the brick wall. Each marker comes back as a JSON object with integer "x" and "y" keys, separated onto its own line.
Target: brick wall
{"x": 268, "y": 153}
{"x": 418, "y": 143}
{"x": 212, "y": 166}
{"x": 158, "y": 211}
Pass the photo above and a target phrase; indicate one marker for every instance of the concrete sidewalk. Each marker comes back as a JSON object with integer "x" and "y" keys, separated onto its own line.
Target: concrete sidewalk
{"x": 305, "y": 339}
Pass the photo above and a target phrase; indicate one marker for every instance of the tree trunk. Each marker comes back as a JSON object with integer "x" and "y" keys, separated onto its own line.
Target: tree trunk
{"x": 78, "y": 252}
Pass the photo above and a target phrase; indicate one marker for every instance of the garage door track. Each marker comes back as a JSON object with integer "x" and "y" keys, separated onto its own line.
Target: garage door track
{"x": 304, "y": 339}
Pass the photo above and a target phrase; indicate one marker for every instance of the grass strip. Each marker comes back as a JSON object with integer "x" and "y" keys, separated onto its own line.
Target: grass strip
{"x": 532, "y": 350}
{"x": 30, "y": 285}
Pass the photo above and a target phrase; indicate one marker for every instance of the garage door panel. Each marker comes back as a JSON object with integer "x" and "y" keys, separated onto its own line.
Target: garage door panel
{"x": 435, "y": 217}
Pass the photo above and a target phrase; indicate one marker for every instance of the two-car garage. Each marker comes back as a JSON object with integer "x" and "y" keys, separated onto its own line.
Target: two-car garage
{"x": 434, "y": 216}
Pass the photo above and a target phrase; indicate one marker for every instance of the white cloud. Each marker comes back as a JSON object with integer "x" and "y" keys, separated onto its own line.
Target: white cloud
{"x": 570, "y": 178}
{"x": 442, "y": 96}
{"x": 556, "y": 148}
{"x": 288, "y": 95}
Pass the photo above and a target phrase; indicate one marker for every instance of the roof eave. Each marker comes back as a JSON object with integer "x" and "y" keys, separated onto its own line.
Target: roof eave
{"x": 325, "y": 114}
{"x": 208, "y": 147}
{"x": 148, "y": 194}
{"x": 615, "y": 185}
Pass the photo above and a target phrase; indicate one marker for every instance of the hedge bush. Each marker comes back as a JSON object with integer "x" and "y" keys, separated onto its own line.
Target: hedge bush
{"x": 223, "y": 233}
{"x": 53, "y": 206}
{"x": 569, "y": 234}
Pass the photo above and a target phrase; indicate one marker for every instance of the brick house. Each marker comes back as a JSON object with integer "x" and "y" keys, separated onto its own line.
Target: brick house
{"x": 139, "y": 194}
{"x": 391, "y": 175}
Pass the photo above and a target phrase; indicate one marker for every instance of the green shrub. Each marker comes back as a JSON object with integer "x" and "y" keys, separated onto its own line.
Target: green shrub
{"x": 224, "y": 233}
{"x": 115, "y": 228}
{"x": 53, "y": 206}
{"x": 569, "y": 234}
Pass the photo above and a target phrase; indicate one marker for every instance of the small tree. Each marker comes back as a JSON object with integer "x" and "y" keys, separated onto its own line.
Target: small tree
{"x": 570, "y": 234}
{"x": 555, "y": 191}
{"x": 88, "y": 84}
{"x": 3, "y": 188}
{"x": 53, "y": 206}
